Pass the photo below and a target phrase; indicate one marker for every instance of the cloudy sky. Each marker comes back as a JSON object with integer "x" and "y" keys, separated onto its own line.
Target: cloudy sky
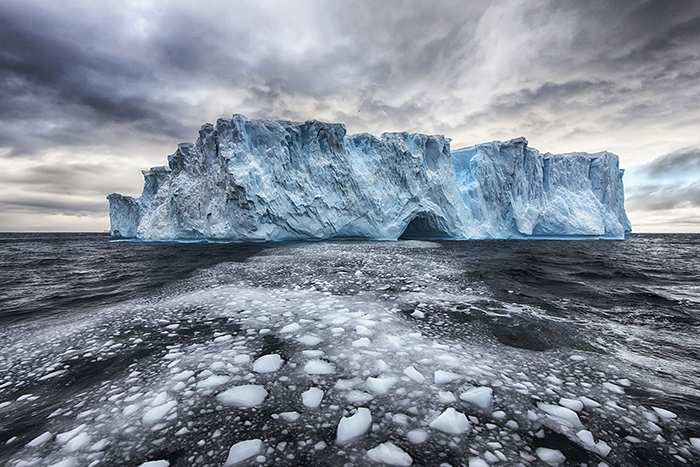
{"x": 93, "y": 92}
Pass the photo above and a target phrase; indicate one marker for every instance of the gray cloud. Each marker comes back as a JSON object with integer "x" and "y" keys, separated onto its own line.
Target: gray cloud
{"x": 680, "y": 162}
{"x": 663, "y": 197}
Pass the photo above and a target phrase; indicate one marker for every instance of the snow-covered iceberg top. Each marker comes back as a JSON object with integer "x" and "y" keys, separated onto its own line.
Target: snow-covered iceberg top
{"x": 274, "y": 180}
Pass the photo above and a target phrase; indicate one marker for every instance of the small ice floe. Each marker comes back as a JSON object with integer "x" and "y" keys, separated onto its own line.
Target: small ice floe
{"x": 551, "y": 456}
{"x": 380, "y": 386}
{"x": 695, "y": 442}
{"x": 446, "y": 397}
{"x": 665, "y": 414}
{"x": 480, "y": 397}
{"x": 242, "y": 451}
{"x": 451, "y": 421}
{"x": 418, "y": 314}
{"x": 267, "y": 363}
{"x": 183, "y": 375}
{"x": 573, "y": 404}
{"x": 309, "y": 341}
{"x": 63, "y": 438}
{"x": 361, "y": 342}
{"x": 244, "y": 397}
{"x": 477, "y": 462}
{"x": 358, "y": 397}
{"x": 77, "y": 443}
{"x": 212, "y": 382}
{"x": 589, "y": 402}
{"x": 565, "y": 415}
{"x": 445, "y": 377}
{"x": 241, "y": 359}
{"x": 158, "y": 463}
{"x": 414, "y": 374}
{"x": 613, "y": 388}
{"x": 587, "y": 438}
{"x": 417, "y": 436}
{"x": 389, "y": 453}
{"x": 319, "y": 367}
{"x": 312, "y": 397}
{"x": 158, "y": 413}
{"x": 355, "y": 426}
{"x": 293, "y": 327}
{"x": 40, "y": 440}
{"x": 290, "y": 416}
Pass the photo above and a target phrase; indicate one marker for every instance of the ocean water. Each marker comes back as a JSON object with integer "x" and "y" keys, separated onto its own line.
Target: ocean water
{"x": 436, "y": 353}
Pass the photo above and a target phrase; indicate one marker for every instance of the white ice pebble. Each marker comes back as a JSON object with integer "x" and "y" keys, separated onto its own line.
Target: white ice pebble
{"x": 358, "y": 397}
{"x": 613, "y": 388}
{"x": 158, "y": 413}
{"x": 695, "y": 442}
{"x": 573, "y": 404}
{"x": 380, "y": 386}
{"x": 293, "y": 327}
{"x": 587, "y": 438}
{"x": 550, "y": 456}
{"x": 212, "y": 381}
{"x": 381, "y": 366}
{"x": 267, "y": 363}
{"x": 309, "y": 341}
{"x": 390, "y": 454}
{"x": 480, "y": 397}
{"x": 562, "y": 413}
{"x": 319, "y": 367}
{"x": 77, "y": 443}
{"x": 355, "y": 426}
{"x": 244, "y": 397}
{"x": 477, "y": 462}
{"x": 663, "y": 413}
{"x": 588, "y": 402}
{"x": 446, "y": 397}
{"x": 242, "y": 451}
{"x": 290, "y": 416}
{"x": 414, "y": 374}
{"x": 312, "y": 397}
{"x": 63, "y": 438}
{"x": 451, "y": 421}
{"x": 40, "y": 440}
{"x": 603, "y": 448}
{"x": 361, "y": 342}
{"x": 417, "y": 436}
{"x": 363, "y": 330}
{"x": 158, "y": 463}
{"x": 69, "y": 462}
{"x": 241, "y": 359}
{"x": 183, "y": 375}
{"x": 444, "y": 377}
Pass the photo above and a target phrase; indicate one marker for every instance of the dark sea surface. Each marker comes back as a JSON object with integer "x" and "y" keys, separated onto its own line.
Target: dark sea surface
{"x": 464, "y": 353}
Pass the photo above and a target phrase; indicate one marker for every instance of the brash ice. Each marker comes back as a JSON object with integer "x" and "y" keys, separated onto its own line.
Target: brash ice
{"x": 275, "y": 180}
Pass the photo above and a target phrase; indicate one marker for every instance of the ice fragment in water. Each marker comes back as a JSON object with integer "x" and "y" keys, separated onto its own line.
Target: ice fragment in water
{"x": 587, "y": 438}
{"x": 551, "y": 456}
{"x": 267, "y": 364}
{"x": 41, "y": 439}
{"x": 212, "y": 381}
{"x": 417, "y": 436}
{"x": 389, "y": 453}
{"x": 312, "y": 397}
{"x": 158, "y": 413}
{"x": 319, "y": 367}
{"x": 158, "y": 463}
{"x": 355, "y": 426}
{"x": 414, "y": 374}
{"x": 290, "y": 416}
{"x": 242, "y": 451}
{"x": 562, "y": 413}
{"x": 573, "y": 404}
{"x": 451, "y": 421}
{"x": 244, "y": 397}
{"x": 380, "y": 386}
{"x": 444, "y": 377}
{"x": 480, "y": 397}
{"x": 663, "y": 413}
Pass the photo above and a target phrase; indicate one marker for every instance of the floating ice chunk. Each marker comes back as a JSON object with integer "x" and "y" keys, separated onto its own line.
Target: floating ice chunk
{"x": 613, "y": 388}
{"x": 159, "y": 463}
{"x": 358, "y": 397}
{"x": 695, "y": 442}
{"x": 380, "y": 386}
{"x": 69, "y": 462}
{"x": 477, "y": 462}
{"x": 414, "y": 374}
{"x": 480, "y": 397}
{"x": 212, "y": 381}
{"x": 183, "y": 375}
{"x": 267, "y": 363}
{"x": 40, "y": 440}
{"x": 444, "y": 377}
{"x": 446, "y": 397}
{"x": 160, "y": 399}
{"x": 363, "y": 330}
{"x": 418, "y": 314}
{"x": 290, "y": 328}
{"x": 498, "y": 415}
{"x": 389, "y": 453}
{"x": 242, "y": 451}
{"x": 241, "y": 359}
{"x": 63, "y": 438}
{"x": 562, "y": 413}
{"x": 77, "y": 443}
{"x": 309, "y": 341}
{"x": 244, "y": 397}
{"x": 573, "y": 404}
{"x": 603, "y": 448}
{"x": 551, "y": 456}
{"x": 381, "y": 366}
{"x": 353, "y": 427}
{"x": 312, "y": 397}
{"x": 587, "y": 438}
{"x": 589, "y": 402}
{"x": 158, "y": 413}
{"x": 290, "y": 416}
{"x": 663, "y": 413}
{"x": 319, "y": 367}
{"x": 451, "y": 421}
{"x": 361, "y": 342}
{"x": 417, "y": 436}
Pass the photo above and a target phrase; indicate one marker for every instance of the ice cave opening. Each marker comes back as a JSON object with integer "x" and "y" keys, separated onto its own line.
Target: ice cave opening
{"x": 423, "y": 226}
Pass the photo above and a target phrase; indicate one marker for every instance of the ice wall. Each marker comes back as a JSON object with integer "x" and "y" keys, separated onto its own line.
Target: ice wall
{"x": 273, "y": 180}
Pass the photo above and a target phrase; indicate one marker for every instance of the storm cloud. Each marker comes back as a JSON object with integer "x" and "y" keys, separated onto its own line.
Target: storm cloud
{"x": 92, "y": 92}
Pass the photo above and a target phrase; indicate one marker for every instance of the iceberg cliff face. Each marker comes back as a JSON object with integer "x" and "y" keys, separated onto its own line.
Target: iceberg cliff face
{"x": 271, "y": 180}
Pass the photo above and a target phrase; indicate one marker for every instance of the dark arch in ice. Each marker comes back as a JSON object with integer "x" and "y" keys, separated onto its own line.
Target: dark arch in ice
{"x": 424, "y": 226}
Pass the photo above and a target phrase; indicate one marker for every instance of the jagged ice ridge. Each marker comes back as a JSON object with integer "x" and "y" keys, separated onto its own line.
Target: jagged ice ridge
{"x": 274, "y": 180}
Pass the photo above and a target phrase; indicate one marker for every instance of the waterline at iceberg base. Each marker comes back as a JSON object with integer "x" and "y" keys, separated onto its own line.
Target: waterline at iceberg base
{"x": 274, "y": 180}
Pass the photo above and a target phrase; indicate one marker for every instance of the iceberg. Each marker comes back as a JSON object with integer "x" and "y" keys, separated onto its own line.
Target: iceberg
{"x": 276, "y": 180}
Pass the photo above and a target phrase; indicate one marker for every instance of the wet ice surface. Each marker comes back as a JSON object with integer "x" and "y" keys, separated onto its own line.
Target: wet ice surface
{"x": 336, "y": 354}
